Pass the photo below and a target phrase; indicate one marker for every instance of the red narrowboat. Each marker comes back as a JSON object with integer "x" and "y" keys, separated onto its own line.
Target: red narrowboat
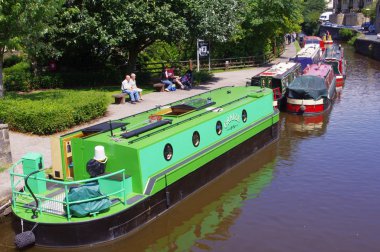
{"x": 334, "y": 56}
{"x": 313, "y": 92}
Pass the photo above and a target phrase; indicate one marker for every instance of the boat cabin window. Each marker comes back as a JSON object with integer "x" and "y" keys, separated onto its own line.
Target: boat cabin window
{"x": 244, "y": 115}
{"x": 168, "y": 152}
{"x": 219, "y": 128}
{"x": 196, "y": 139}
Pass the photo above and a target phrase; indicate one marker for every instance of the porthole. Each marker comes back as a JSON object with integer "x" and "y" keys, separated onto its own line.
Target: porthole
{"x": 196, "y": 139}
{"x": 244, "y": 115}
{"x": 219, "y": 128}
{"x": 168, "y": 152}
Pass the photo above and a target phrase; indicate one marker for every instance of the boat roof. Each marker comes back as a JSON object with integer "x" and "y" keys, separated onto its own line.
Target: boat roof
{"x": 333, "y": 52}
{"x": 162, "y": 122}
{"x": 307, "y": 86}
{"x": 309, "y": 51}
{"x": 279, "y": 69}
{"x": 320, "y": 70}
{"x": 312, "y": 40}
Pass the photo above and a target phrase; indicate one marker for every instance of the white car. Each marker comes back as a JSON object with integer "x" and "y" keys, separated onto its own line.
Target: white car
{"x": 378, "y": 36}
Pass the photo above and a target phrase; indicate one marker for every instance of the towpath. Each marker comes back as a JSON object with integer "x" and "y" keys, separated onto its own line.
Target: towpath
{"x": 23, "y": 143}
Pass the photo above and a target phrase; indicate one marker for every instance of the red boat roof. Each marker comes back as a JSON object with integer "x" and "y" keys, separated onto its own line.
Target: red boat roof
{"x": 320, "y": 70}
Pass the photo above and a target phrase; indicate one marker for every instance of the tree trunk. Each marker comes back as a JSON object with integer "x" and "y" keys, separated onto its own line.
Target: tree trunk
{"x": 1, "y": 75}
{"x": 132, "y": 59}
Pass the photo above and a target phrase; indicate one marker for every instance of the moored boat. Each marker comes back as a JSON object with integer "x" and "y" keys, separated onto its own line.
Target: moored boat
{"x": 334, "y": 56}
{"x": 277, "y": 78}
{"x": 313, "y": 92}
{"x": 112, "y": 178}
{"x": 310, "y": 54}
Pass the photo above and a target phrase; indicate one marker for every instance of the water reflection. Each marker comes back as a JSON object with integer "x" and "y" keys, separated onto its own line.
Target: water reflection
{"x": 316, "y": 189}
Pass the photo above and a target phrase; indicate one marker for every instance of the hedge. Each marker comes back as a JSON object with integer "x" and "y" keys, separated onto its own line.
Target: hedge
{"x": 20, "y": 78}
{"x": 52, "y": 111}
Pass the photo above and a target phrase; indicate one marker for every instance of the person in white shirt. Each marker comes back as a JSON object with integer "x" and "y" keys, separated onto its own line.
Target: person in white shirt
{"x": 134, "y": 86}
{"x": 126, "y": 87}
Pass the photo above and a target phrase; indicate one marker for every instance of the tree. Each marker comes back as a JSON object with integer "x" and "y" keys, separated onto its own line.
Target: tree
{"x": 312, "y": 11}
{"x": 94, "y": 32}
{"x": 20, "y": 19}
{"x": 266, "y": 22}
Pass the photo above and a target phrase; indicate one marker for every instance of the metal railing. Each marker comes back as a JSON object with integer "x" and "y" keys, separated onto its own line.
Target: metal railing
{"x": 50, "y": 204}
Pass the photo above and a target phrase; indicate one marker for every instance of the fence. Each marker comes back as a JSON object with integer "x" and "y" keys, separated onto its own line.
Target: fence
{"x": 215, "y": 64}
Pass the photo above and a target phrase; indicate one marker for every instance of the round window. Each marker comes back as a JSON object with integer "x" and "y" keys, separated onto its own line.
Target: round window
{"x": 219, "y": 128}
{"x": 196, "y": 138}
{"x": 168, "y": 152}
{"x": 244, "y": 115}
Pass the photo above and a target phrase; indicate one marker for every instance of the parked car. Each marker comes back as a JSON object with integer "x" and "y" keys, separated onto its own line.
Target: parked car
{"x": 371, "y": 28}
{"x": 366, "y": 25}
{"x": 378, "y": 36}
{"x": 325, "y": 16}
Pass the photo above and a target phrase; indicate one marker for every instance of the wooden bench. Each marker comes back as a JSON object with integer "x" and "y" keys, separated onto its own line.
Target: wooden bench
{"x": 160, "y": 87}
{"x": 120, "y": 98}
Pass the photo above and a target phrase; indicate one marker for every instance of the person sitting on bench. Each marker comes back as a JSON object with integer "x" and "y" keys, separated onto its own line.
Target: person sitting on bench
{"x": 134, "y": 86}
{"x": 174, "y": 78}
{"x": 165, "y": 80}
{"x": 126, "y": 87}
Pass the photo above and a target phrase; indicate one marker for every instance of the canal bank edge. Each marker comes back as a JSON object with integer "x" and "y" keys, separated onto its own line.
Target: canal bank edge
{"x": 369, "y": 48}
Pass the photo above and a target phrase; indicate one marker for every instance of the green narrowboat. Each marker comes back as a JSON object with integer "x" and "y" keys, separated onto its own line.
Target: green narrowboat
{"x": 111, "y": 178}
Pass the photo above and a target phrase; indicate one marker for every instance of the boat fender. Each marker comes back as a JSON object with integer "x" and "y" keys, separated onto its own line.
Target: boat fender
{"x": 25, "y": 239}
{"x": 302, "y": 108}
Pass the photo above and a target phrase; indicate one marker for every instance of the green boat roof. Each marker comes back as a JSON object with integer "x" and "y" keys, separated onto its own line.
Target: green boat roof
{"x": 156, "y": 124}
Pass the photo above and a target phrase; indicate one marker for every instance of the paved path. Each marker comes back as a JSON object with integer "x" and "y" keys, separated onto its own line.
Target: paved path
{"x": 23, "y": 143}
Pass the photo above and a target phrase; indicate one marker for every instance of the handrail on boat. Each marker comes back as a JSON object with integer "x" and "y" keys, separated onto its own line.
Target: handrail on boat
{"x": 184, "y": 121}
{"x": 16, "y": 191}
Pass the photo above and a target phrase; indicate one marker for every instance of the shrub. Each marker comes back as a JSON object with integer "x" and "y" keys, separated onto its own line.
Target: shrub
{"x": 201, "y": 76}
{"x": 17, "y": 77}
{"x": 51, "y": 111}
{"x": 346, "y": 33}
{"x": 351, "y": 42}
{"x": 12, "y": 60}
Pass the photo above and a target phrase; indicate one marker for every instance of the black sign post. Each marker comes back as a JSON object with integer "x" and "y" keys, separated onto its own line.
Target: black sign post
{"x": 203, "y": 50}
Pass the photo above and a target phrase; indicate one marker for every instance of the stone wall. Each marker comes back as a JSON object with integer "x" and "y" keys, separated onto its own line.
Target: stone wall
{"x": 369, "y": 48}
{"x": 353, "y": 19}
{"x": 349, "y": 19}
{"x": 5, "y": 147}
{"x": 337, "y": 18}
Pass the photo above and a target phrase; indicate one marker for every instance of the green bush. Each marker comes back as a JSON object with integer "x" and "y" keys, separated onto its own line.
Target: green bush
{"x": 12, "y": 60}
{"x": 351, "y": 42}
{"x": 346, "y": 33}
{"x": 51, "y": 111}
{"x": 201, "y": 76}
{"x": 18, "y": 77}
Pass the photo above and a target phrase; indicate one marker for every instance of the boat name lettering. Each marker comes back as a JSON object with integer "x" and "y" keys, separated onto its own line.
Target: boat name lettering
{"x": 231, "y": 118}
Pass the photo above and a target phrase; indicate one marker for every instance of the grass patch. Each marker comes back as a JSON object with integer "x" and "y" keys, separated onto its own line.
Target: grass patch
{"x": 48, "y": 112}
{"x": 3, "y": 168}
{"x": 297, "y": 45}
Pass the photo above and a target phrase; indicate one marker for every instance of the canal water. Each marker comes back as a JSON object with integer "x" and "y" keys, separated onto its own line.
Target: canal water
{"x": 316, "y": 189}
